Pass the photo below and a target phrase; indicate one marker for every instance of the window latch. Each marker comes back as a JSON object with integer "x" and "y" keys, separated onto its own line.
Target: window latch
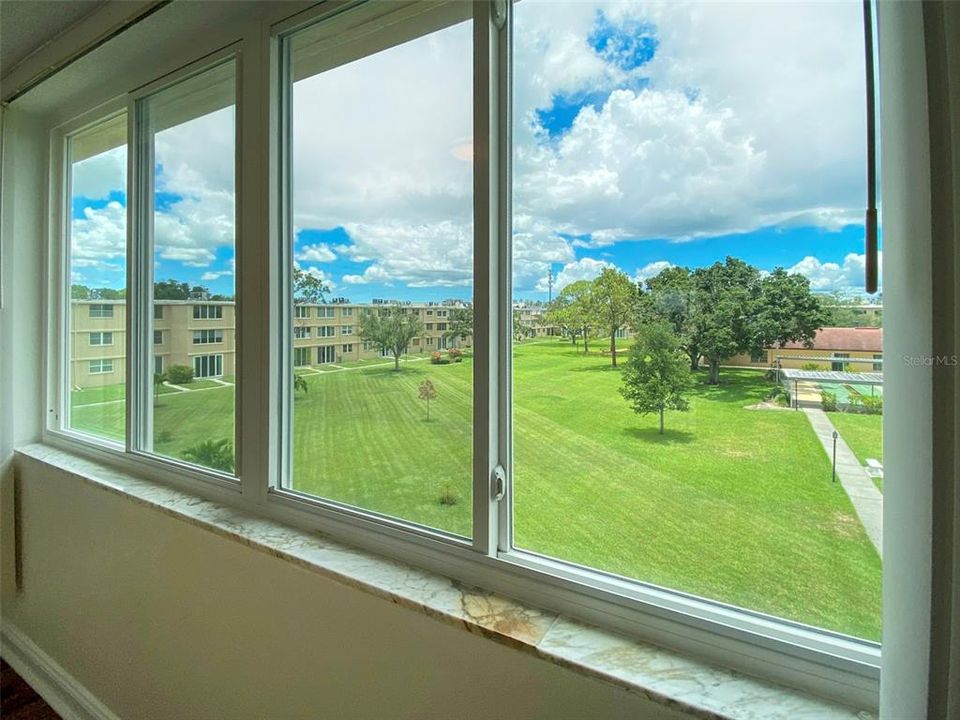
{"x": 499, "y": 483}
{"x": 499, "y": 13}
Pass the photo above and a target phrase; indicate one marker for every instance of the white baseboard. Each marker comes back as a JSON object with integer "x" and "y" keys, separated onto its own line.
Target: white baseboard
{"x": 61, "y": 691}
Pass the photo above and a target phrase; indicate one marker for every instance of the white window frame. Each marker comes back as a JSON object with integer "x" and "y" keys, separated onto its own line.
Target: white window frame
{"x": 101, "y": 336}
{"x": 104, "y": 366}
{"x": 301, "y": 312}
{"x": 818, "y": 661}
{"x": 207, "y": 311}
{"x": 104, "y": 310}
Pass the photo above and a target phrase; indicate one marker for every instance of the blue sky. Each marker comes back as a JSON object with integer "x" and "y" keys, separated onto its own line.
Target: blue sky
{"x": 644, "y": 135}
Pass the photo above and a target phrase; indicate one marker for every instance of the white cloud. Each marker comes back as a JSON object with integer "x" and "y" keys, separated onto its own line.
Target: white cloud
{"x": 319, "y": 252}
{"x": 97, "y": 176}
{"x": 215, "y": 275}
{"x": 99, "y": 237}
{"x": 651, "y": 270}
{"x": 829, "y": 276}
{"x": 583, "y": 269}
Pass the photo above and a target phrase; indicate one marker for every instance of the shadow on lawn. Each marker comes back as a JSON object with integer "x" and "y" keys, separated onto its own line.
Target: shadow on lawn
{"x": 652, "y": 435}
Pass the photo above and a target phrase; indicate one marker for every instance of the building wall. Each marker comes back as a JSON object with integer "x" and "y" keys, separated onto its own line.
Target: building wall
{"x": 799, "y": 358}
{"x": 160, "y": 619}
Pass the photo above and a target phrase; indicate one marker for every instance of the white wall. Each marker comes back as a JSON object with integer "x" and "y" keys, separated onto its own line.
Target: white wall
{"x": 161, "y": 619}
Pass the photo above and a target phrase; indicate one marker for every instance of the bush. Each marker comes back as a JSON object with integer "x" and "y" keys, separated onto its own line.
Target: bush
{"x": 164, "y": 436}
{"x": 780, "y": 395}
{"x": 438, "y": 359}
{"x": 180, "y": 374}
{"x": 811, "y": 366}
{"x": 447, "y": 497}
{"x": 455, "y": 354}
{"x": 872, "y": 405}
{"x": 828, "y": 401}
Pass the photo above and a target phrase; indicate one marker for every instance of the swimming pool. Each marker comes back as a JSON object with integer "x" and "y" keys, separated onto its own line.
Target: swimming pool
{"x": 845, "y": 391}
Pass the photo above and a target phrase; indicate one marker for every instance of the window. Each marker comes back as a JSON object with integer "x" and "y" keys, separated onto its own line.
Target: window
{"x": 301, "y": 332}
{"x": 301, "y": 356}
{"x": 96, "y": 258}
{"x": 98, "y": 367}
{"x": 101, "y": 311}
{"x": 839, "y": 364}
{"x": 441, "y": 326}
{"x": 158, "y": 337}
{"x": 301, "y": 311}
{"x": 207, "y": 366}
{"x": 326, "y": 312}
{"x": 326, "y": 331}
{"x": 157, "y": 311}
{"x": 429, "y": 326}
{"x": 608, "y": 156}
{"x": 158, "y": 364}
{"x": 207, "y": 312}
{"x": 878, "y": 362}
{"x": 205, "y": 337}
{"x": 187, "y": 128}
{"x": 326, "y": 354}
{"x": 346, "y": 312}
{"x": 348, "y": 348}
{"x": 346, "y": 330}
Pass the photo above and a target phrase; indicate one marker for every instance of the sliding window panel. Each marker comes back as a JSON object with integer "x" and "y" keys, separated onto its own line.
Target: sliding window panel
{"x": 688, "y": 189}
{"x": 190, "y": 343}
{"x": 96, "y": 262}
{"x": 381, "y": 254}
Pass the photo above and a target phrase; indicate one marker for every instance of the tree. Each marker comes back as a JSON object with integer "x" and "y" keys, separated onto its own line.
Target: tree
{"x": 216, "y": 454}
{"x": 427, "y": 392}
{"x": 842, "y": 310}
{"x": 390, "y": 329}
{"x": 299, "y": 383}
{"x": 575, "y": 311}
{"x": 308, "y": 288}
{"x": 671, "y": 297}
{"x": 79, "y": 292}
{"x": 786, "y": 311}
{"x": 171, "y": 290}
{"x": 460, "y": 323}
{"x": 521, "y": 330}
{"x": 657, "y": 372}
{"x": 725, "y": 299}
{"x": 615, "y": 301}
{"x": 158, "y": 380}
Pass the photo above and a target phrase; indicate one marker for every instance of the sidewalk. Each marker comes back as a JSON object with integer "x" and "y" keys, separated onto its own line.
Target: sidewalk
{"x": 866, "y": 499}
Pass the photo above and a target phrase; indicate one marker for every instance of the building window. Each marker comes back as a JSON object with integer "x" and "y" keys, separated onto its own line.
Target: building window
{"x": 99, "y": 367}
{"x": 101, "y": 311}
{"x": 207, "y": 366}
{"x": 441, "y": 327}
{"x": 326, "y": 312}
{"x": 326, "y": 354}
{"x": 348, "y": 348}
{"x": 157, "y": 311}
{"x": 346, "y": 312}
{"x": 158, "y": 337}
{"x": 301, "y": 356}
{"x": 346, "y": 330}
{"x": 101, "y": 338}
{"x": 207, "y": 312}
{"x": 326, "y": 331}
{"x": 158, "y": 364}
{"x": 301, "y": 311}
{"x": 839, "y": 363}
{"x": 878, "y": 362}
{"x": 207, "y": 337}
{"x": 300, "y": 332}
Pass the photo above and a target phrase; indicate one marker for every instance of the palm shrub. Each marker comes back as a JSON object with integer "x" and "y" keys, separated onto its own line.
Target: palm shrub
{"x": 216, "y": 454}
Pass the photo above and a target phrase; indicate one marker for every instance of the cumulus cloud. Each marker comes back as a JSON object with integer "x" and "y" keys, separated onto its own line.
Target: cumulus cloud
{"x": 651, "y": 270}
{"x": 319, "y": 252}
{"x": 99, "y": 237}
{"x": 583, "y": 269}
{"x": 829, "y": 276}
{"x": 98, "y": 176}
{"x": 215, "y": 275}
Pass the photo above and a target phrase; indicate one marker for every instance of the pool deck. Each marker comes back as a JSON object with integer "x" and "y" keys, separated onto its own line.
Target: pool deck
{"x": 867, "y": 500}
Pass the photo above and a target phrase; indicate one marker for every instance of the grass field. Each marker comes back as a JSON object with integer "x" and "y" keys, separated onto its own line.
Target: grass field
{"x": 864, "y": 435}
{"x": 731, "y": 503}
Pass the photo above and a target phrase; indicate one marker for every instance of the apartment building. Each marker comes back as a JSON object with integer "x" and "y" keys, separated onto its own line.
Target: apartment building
{"x": 854, "y": 349}
{"x": 201, "y": 334}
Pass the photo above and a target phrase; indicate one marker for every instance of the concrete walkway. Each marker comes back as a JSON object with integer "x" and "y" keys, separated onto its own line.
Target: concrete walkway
{"x": 866, "y": 499}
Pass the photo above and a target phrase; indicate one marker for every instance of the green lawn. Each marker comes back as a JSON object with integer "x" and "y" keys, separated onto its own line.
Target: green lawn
{"x": 864, "y": 435}
{"x": 731, "y": 504}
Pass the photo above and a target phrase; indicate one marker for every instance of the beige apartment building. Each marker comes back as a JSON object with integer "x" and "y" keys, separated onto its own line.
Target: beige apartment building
{"x": 856, "y": 349}
{"x": 201, "y": 334}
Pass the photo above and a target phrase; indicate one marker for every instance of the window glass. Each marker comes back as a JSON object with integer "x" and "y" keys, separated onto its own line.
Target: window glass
{"x": 97, "y": 260}
{"x": 688, "y": 192}
{"x": 381, "y": 163}
{"x": 193, "y": 139}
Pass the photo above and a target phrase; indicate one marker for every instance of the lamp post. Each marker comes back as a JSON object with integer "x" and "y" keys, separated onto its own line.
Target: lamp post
{"x": 835, "y": 436}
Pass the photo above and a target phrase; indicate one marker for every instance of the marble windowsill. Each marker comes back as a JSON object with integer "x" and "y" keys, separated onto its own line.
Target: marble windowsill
{"x": 668, "y": 678}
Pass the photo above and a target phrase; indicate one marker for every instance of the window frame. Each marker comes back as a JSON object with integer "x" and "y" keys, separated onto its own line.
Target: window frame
{"x": 775, "y": 648}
